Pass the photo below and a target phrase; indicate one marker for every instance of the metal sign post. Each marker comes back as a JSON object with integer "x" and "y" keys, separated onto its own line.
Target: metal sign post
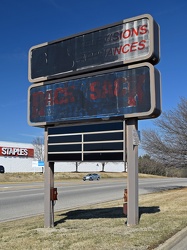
{"x": 132, "y": 181}
{"x": 48, "y": 184}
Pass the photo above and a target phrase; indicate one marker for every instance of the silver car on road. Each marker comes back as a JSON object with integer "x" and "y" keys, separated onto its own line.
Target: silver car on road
{"x": 91, "y": 177}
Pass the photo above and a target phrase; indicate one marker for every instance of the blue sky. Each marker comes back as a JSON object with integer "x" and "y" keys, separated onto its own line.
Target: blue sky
{"x": 24, "y": 24}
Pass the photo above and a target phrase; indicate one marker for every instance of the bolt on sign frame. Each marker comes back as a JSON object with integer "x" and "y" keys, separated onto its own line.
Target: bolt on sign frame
{"x": 129, "y": 41}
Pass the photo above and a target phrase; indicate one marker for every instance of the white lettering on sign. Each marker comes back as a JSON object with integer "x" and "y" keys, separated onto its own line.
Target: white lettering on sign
{"x": 15, "y": 151}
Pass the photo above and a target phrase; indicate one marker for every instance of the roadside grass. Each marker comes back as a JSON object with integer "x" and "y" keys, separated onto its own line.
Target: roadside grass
{"x": 38, "y": 177}
{"x": 102, "y": 226}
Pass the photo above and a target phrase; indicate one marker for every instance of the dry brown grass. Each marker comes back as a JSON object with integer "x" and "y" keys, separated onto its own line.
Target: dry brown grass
{"x": 101, "y": 226}
{"x": 38, "y": 177}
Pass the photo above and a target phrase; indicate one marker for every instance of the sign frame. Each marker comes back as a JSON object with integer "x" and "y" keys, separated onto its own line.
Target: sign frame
{"x": 153, "y": 56}
{"x": 155, "y": 97}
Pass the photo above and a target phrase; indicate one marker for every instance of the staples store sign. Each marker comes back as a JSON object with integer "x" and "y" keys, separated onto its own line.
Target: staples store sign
{"x": 11, "y": 151}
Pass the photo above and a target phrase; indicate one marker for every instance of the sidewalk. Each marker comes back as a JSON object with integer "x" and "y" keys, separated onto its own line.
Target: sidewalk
{"x": 177, "y": 242}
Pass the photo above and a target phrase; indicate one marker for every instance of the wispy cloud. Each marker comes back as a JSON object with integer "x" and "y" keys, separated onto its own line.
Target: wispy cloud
{"x": 32, "y": 135}
{"x": 57, "y": 5}
{"x": 13, "y": 103}
{"x": 14, "y": 55}
{"x": 28, "y": 135}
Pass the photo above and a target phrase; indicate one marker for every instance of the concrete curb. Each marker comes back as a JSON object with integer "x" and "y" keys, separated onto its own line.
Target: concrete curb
{"x": 174, "y": 240}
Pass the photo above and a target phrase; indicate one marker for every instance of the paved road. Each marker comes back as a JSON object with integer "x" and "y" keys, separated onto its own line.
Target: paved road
{"x": 22, "y": 200}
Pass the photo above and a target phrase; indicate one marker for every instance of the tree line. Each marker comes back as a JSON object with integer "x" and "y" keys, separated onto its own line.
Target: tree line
{"x": 166, "y": 145}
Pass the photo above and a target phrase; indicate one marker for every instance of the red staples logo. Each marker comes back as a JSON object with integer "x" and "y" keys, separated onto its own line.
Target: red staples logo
{"x": 12, "y": 151}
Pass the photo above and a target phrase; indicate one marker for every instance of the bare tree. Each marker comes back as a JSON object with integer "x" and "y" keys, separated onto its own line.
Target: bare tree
{"x": 76, "y": 166}
{"x": 168, "y": 143}
{"x": 38, "y": 144}
{"x": 103, "y": 166}
{"x": 146, "y": 165}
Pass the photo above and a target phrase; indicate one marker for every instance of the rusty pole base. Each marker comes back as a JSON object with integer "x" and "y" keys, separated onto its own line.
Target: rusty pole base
{"x": 125, "y": 208}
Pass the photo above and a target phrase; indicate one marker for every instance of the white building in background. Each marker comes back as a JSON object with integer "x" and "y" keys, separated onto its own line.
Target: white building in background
{"x": 19, "y": 157}
{"x": 16, "y": 157}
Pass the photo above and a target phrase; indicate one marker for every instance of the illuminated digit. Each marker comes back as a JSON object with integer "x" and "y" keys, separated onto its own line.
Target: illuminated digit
{"x": 121, "y": 86}
{"x": 38, "y": 104}
{"x": 94, "y": 88}
{"x": 106, "y": 89}
{"x": 48, "y": 98}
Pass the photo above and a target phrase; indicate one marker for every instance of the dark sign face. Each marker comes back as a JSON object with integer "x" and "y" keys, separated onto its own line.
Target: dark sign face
{"x": 129, "y": 41}
{"x": 124, "y": 93}
{"x": 90, "y": 142}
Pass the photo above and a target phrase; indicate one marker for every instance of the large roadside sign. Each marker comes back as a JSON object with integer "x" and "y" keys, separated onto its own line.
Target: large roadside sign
{"x": 88, "y": 92}
{"x": 125, "y": 92}
{"x": 129, "y": 41}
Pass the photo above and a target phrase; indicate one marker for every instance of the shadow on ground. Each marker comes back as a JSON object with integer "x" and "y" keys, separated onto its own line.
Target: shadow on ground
{"x": 148, "y": 210}
{"x": 96, "y": 213}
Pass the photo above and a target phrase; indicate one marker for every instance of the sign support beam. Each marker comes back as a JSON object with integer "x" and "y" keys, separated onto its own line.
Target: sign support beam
{"x": 48, "y": 185}
{"x": 132, "y": 181}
